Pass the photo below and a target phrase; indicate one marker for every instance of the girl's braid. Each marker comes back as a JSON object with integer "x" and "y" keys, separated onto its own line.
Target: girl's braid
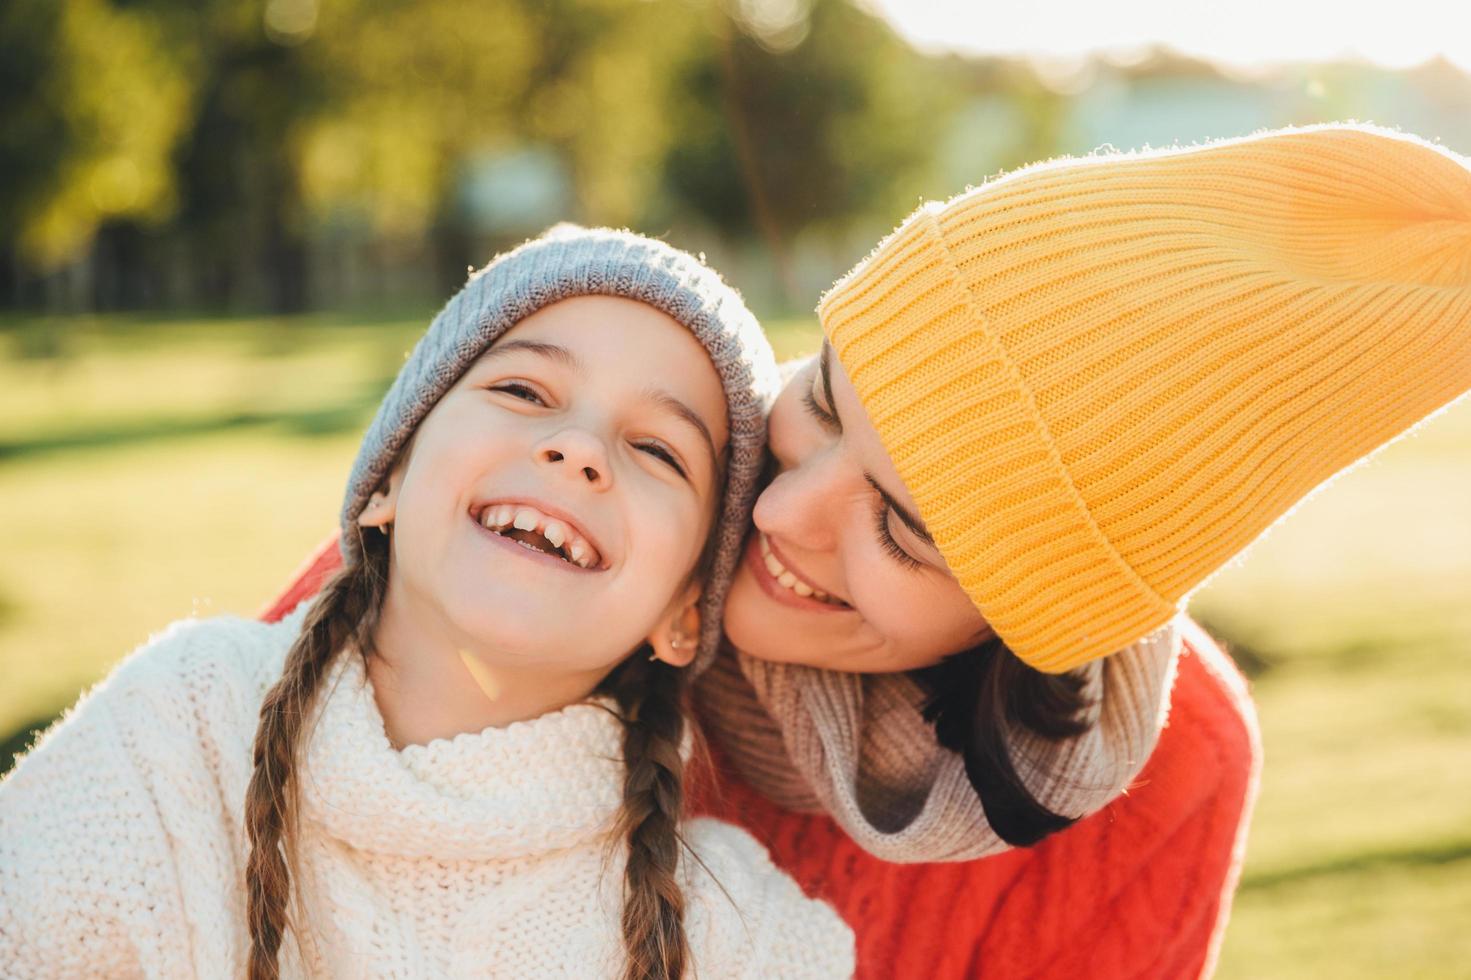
{"x": 649, "y": 697}
{"x": 344, "y": 614}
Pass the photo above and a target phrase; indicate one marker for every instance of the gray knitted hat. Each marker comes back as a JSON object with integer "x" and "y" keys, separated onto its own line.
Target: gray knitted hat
{"x": 569, "y": 261}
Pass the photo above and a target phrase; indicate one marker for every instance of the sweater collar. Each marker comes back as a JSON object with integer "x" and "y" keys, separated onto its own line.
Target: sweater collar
{"x": 533, "y": 786}
{"x": 857, "y": 746}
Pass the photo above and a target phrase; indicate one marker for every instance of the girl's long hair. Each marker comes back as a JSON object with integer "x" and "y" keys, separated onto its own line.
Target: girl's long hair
{"x": 344, "y": 614}
{"x": 650, "y": 700}
{"x": 976, "y": 697}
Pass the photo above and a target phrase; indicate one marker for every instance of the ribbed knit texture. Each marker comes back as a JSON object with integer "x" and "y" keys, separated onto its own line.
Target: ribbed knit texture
{"x": 1102, "y": 378}
{"x": 570, "y": 261}
{"x": 857, "y": 747}
{"x": 122, "y": 850}
{"x": 1139, "y": 891}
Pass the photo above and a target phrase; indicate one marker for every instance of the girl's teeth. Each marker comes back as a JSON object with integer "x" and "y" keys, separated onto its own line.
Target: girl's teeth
{"x": 802, "y": 589}
{"x": 504, "y": 516}
{"x": 773, "y": 566}
{"x": 787, "y": 579}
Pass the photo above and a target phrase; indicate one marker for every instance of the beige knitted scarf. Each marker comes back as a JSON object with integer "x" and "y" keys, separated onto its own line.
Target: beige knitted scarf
{"x": 857, "y": 747}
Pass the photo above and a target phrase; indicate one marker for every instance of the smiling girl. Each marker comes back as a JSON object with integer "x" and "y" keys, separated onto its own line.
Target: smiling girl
{"x": 466, "y": 757}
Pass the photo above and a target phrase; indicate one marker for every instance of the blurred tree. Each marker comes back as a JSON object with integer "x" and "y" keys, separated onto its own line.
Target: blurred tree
{"x": 94, "y": 100}
{"x": 803, "y": 114}
{"x": 283, "y": 153}
{"x": 420, "y": 91}
{"x": 257, "y": 80}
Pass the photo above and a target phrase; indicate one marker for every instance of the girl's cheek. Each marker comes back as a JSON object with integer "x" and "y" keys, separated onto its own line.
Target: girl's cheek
{"x": 670, "y": 524}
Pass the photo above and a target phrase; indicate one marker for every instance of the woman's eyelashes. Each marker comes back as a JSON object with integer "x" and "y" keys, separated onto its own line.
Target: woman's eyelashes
{"x": 809, "y": 401}
{"x": 657, "y": 450}
{"x": 886, "y": 537}
{"x": 881, "y": 513}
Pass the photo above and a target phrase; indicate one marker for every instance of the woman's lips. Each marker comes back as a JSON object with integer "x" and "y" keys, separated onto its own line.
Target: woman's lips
{"x": 756, "y": 561}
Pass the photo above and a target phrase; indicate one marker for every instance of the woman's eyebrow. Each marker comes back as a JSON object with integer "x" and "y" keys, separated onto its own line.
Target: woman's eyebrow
{"x": 553, "y": 352}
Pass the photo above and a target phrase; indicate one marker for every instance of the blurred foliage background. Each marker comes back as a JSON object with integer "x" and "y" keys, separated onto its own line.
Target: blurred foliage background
{"x": 222, "y": 225}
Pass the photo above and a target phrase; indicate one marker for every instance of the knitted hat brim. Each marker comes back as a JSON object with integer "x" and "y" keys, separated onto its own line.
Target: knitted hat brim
{"x": 573, "y": 262}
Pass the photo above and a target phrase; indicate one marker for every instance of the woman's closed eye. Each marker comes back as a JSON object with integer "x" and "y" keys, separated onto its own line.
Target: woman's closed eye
{"x": 809, "y": 401}
{"x": 829, "y": 420}
{"x": 886, "y": 538}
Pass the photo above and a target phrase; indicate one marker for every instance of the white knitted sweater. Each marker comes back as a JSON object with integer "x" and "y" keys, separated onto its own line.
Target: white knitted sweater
{"x": 122, "y": 847}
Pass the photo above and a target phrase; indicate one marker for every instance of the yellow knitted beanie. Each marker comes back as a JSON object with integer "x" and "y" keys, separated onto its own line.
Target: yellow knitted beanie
{"x": 1102, "y": 378}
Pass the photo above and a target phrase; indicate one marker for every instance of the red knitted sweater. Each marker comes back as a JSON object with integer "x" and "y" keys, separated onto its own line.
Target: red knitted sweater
{"x": 1140, "y": 889}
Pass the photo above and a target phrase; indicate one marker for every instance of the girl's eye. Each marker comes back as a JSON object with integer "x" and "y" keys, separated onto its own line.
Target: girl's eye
{"x": 809, "y": 401}
{"x": 517, "y": 390}
{"x": 886, "y": 538}
{"x": 662, "y": 454}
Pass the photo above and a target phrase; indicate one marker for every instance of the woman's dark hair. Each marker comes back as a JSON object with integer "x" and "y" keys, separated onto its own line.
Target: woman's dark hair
{"x": 974, "y": 698}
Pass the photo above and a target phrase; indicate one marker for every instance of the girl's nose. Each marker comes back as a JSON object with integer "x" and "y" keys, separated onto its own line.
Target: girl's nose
{"x": 579, "y": 455}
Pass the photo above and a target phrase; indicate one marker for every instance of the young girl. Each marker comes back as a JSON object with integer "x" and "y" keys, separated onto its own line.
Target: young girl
{"x": 451, "y": 764}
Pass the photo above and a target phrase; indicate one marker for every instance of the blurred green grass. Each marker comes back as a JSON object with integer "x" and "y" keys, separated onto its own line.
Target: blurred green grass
{"x": 152, "y": 469}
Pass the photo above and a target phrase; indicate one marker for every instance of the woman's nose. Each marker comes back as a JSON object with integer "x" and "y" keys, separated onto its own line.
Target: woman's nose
{"x": 798, "y": 506}
{"x": 579, "y": 455}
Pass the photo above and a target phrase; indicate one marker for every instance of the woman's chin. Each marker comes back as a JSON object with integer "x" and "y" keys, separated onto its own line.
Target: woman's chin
{"x": 760, "y": 627}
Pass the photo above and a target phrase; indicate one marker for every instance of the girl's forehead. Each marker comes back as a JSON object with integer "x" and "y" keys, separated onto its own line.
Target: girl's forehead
{"x": 622, "y": 343}
{"x": 595, "y": 321}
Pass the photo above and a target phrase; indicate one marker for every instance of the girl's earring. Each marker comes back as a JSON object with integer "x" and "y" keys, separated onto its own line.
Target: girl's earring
{"x": 677, "y": 643}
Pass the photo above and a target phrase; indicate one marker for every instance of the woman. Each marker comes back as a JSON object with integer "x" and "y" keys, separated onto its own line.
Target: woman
{"x": 1058, "y": 403}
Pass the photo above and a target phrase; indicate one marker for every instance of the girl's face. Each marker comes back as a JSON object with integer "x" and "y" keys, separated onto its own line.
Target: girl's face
{"x": 839, "y": 572}
{"x": 555, "y": 501}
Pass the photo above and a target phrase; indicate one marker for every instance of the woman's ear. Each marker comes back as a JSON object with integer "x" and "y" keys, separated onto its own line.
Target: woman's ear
{"x": 382, "y": 505}
{"x": 675, "y": 639}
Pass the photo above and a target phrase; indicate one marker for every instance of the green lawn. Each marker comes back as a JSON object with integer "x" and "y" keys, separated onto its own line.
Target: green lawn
{"x": 151, "y": 470}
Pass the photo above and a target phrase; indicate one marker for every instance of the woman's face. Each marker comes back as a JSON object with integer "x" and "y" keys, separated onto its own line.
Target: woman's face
{"x": 839, "y": 571}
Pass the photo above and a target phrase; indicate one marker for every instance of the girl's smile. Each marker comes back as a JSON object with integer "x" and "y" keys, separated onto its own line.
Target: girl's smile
{"x": 555, "y": 501}
{"x": 540, "y": 530}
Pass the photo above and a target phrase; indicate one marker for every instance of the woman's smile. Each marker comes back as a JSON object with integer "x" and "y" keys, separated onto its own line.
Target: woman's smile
{"x": 782, "y": 583}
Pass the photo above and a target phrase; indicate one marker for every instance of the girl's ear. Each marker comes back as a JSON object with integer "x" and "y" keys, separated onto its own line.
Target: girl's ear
{"x": 675, "y": 638}
{"x": 381, "y": 506}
